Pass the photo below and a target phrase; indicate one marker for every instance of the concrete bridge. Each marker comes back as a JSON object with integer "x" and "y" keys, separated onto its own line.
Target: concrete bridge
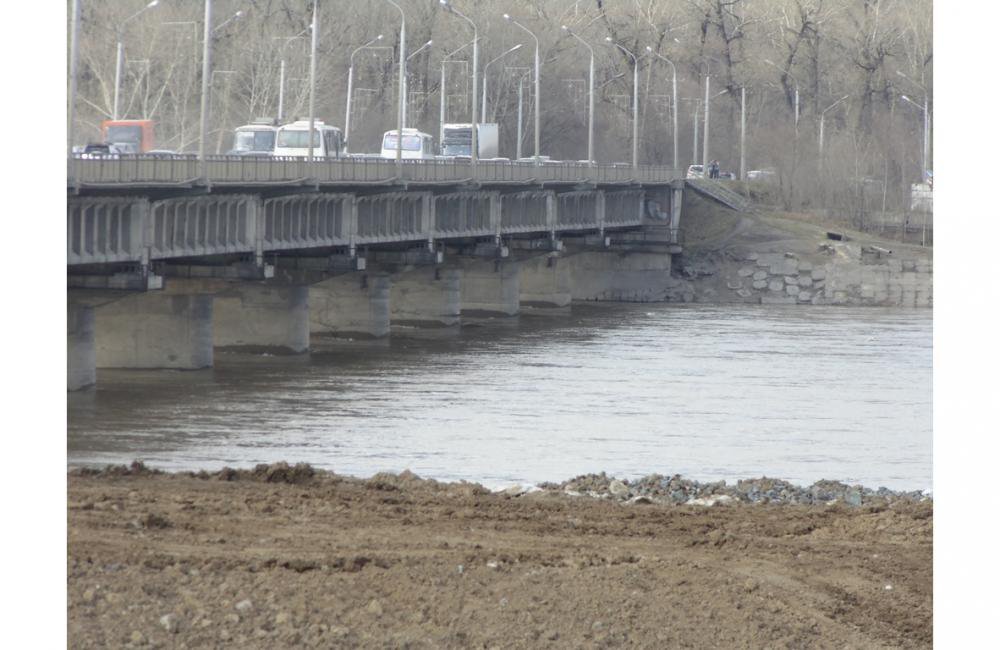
{"x": 169, "y": 258}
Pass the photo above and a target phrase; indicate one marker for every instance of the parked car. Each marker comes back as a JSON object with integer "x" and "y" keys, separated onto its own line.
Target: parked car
{"x": 696, "y": 171}
{"x": 99, "y": 150}
{"x": 762, "y": 175}
{"x": 728, "y": 175}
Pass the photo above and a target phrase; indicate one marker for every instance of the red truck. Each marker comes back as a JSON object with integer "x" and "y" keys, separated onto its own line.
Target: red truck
{"x": 131, "y": 136}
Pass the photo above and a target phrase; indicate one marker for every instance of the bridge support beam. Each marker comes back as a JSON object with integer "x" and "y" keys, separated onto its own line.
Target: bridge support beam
{"x": 352, "y": 305}
{"x": 490, "y": 288}
{"x": 544, "y": 285}
{"x": 426, "y": 300}
{"x": 619, "y": 276}
{"x": 261, "y": 317}
{"x": 81, "y": 362}
{"x": 155, "y": 330}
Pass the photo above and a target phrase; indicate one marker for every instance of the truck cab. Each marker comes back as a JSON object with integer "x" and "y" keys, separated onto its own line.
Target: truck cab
{"x": 130, "y": 136}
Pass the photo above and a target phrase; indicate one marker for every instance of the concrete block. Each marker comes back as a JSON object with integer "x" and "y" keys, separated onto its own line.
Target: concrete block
{"x": 792, "y": 290}
{"x": 81, "y": 360}
{"x": 805, "y": 281}
{"x": 819, "y": 273}
{"x": 155, "y": 330}
{"x": 425, "y": 298}
{"x": 490, "y": 288}
{"x": 791, "y": 279}
{"x": 760, "y": 284}
{"x": 262, "y": 317}
{"x": 805, "y": 296}
{"x": 775, "y": 285}
{"x": 544, "y": 284}
{"x": 745, "y": 272}
{"x": 353, "y": 305}
{"x": 777, "y": 300}
{"x": 805, "y": 266}
{"x": 760, "y": 275}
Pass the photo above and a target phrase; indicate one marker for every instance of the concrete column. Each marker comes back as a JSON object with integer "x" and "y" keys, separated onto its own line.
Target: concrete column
{"x": 490, "y": 288}
{"x": 676, "y": 199}
{"x": 81, "y": 364}
{"x": 544, "y": 285}
{"x": 155, "y": 330}
{"x": 258, "y": 317}
{"x": 619, "y": 276}
{"x": 353, "y": 305}
{"x": 426, "y": 299}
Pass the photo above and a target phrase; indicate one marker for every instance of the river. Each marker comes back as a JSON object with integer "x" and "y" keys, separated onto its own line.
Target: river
{"x": 709, "y": 392}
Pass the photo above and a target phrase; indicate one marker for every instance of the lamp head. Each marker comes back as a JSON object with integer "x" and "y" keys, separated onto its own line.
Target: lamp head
{"x": 152, "y": 4}
{"x": 506, "y": 16}
{"x": 239, "y": 14}
{"x": 378, "y": 38}
{"x": 565, "y": 28}
{"x": 649, "y": 49}
{"x": 430, "y": 42}
{"x": 608, "y": 39}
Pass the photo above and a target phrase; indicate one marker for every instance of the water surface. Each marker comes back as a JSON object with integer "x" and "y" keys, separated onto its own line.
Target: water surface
{"x": 710, "y": 392}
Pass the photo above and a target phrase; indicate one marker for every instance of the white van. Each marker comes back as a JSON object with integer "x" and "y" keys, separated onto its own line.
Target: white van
{"x": 293, "y": 140}
{"x": 416, "y": 144}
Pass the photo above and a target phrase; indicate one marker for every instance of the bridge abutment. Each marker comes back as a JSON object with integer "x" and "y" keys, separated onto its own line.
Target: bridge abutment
{"x": 353, "y": 305}
{"x": 490, "y": 288}
{"x": 81, "y": 360}
{"x": 426, "y": 300}
{"x": 545, "y": 285}
{"x": 154, "y": 330}
{"x": 619, "y": 276}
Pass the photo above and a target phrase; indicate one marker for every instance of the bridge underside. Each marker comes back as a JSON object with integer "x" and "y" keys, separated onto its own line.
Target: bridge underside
{"x": 160, "y": 281}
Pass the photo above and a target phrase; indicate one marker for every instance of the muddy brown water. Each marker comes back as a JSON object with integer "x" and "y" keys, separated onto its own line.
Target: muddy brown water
{"x": 710, "y": 392}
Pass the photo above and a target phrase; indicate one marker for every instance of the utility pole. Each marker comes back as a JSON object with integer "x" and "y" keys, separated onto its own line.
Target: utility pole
{"x": 206, "y": 87}
{"x": 312, "y": 80}
{"x": 73, "y": 55}
{"x": 743, "y": 133}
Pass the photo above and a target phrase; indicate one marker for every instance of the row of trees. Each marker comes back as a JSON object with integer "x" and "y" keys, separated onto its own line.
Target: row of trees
{"x": 871, "y": 51}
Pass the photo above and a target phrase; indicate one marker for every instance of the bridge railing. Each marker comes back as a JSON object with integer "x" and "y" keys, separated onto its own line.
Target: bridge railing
{"x": 161, "y": 169}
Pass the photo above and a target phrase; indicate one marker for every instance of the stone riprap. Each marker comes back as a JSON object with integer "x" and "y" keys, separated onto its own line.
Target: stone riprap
{"x": 678, "y": 490}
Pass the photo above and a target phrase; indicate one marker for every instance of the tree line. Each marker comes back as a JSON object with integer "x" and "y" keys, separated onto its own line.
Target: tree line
{"x": 875, "y": 56}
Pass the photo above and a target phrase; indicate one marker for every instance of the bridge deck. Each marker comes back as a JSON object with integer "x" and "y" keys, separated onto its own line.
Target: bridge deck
{"x": 153, "y": 171}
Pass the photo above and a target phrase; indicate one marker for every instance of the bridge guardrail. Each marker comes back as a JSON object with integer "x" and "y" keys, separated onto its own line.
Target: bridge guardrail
{"x": 163, "y": 169}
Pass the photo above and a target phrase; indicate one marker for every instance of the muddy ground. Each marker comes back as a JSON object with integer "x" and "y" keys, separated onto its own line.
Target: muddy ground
{"x": 285, "y": 559}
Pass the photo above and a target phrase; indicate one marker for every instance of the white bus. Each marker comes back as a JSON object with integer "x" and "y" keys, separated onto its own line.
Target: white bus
{"x": 254, "y": 139}
{"x": 416, "y": 144}
{"x": 293, "y": 140}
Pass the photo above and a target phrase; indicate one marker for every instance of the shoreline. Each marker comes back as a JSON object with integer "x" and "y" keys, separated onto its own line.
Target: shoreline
{"x": 652, "y": 488}
{"x": 287, "y": 557}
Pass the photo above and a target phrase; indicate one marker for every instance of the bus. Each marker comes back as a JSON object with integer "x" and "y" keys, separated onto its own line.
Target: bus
{"x": 416, "y": 144}
{"x": 255, "y": 139}
{"x": 293, "y": 140}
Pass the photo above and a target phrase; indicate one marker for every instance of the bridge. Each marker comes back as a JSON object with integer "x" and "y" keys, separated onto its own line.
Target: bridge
{"x": 171, "y": 257}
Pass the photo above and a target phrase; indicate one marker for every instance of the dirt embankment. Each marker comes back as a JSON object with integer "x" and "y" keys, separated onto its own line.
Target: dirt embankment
{"x": 286, "y": 557}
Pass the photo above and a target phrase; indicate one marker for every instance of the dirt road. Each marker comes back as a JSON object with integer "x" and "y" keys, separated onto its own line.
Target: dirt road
{"x": 233, "y": 560}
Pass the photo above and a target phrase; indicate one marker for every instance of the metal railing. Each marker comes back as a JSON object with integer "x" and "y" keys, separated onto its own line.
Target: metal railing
{"x": 158, "y": 169}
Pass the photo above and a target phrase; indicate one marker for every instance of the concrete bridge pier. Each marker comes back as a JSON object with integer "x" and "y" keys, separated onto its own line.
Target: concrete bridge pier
{"x": 426, "y": 301}
{"x": 81, "y": 360}
{"x": 352, "y": 305}
{"x": 491, "y": 288}
{"x": 154, "y": 330}
{"x": 545, "y": 285}
{"x": 619, "y": 275}
{"x": 256, "y": 316}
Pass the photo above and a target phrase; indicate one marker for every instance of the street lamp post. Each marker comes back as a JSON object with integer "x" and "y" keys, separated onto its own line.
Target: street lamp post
{"x": 674, "y": 110}
{"x": 538, "y": 93}
{"x": 796, "y": 84}
{"x": 206, "y": 75}
{"x": 312, "y": 80}
{"x": 704, "y": 145}
{"x": 590, "y": 97}
{"x": 486, "y": 78}
{"x": 743, "y": 132}
{"x": 73, "y": 54}
{"x": 350, "y": 90}
{"x": 635, "y": 100}
{"x": 444, "y": 92}
{"x": 822, "y": 122}
{"x": 406, "y": 81}
{"x": 281, "y": 71}
{"x": 402, "y": 85}
{"x": 520, "y": 113}
{"x": 926, "y": 153}
{"x": 120, "y": 54}
{"x": 475, "y": 67}
{"x": 926, "y": 129}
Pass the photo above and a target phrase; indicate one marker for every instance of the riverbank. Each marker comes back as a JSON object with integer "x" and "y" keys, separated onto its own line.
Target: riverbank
{"x": 777, "y": 258}
{"x": 289, "y": 557}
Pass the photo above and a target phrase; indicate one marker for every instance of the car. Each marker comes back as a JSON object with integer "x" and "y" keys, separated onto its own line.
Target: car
{"x": 696, "y": 171}
{"x": 99, "y": 150}
{"x": 762, "y": 175}
{"x": 728, "y": 175}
